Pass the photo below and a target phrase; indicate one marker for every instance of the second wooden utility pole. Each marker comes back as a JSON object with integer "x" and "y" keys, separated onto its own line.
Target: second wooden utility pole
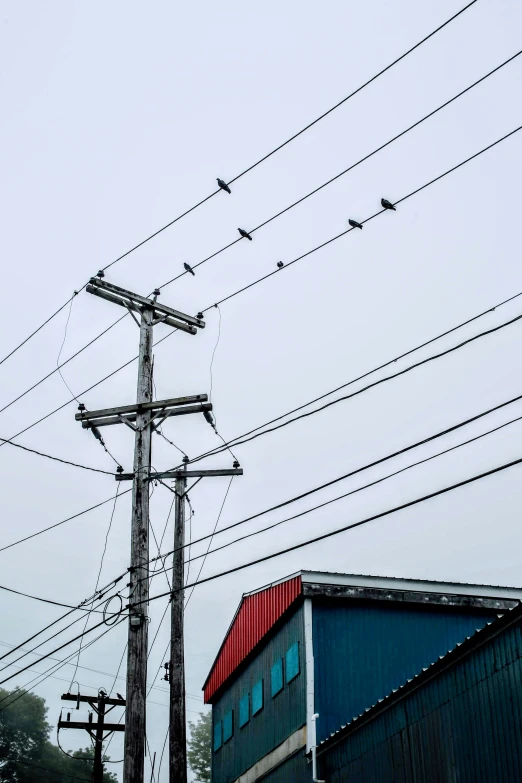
{"x": 177, "y": 723}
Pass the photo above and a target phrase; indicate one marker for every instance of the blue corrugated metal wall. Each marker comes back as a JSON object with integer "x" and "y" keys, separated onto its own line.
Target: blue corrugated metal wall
{"x": 463, "y": 726}
{"x": 363, "y": 652}
{"x": 280, "y": 716}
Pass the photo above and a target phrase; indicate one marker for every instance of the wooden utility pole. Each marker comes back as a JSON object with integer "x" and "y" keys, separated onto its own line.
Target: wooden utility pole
{"x": 177, "y": 730}
{"x": 96, "y": 730}
{"x": 177, "y": 725}
{"x": 134, "y": 748}
{"x": 142, "y": 418}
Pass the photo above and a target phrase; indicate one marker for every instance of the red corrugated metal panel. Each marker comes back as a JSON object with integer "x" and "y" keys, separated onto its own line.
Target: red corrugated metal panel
{"x": 256, "y": 615}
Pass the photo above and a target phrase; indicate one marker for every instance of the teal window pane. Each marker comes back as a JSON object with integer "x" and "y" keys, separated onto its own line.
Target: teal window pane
{"x": 292, "y": 662}
{"x": 244, "y": 710}
{"x": 257, "y": 697}
{"x": 277, "y": 677}
{"x": 228, "y": 726}
{"x": 217, "y": 736}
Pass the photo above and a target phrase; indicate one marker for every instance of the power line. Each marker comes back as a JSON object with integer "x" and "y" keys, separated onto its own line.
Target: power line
{"x": 117, "y": 676}
{"x": 351, "y": 167}
{"x": 66, "y": 361}
{"x": 38, "y": 329}
{"x": 355, "y": 471}
{"x": 57, "y": 524}
{"x": 254, "y": 165}
{"x": 45, "y": 769}
{"x": 80, "y": 607}
{"x": 244, "y": 439}
{"x": 286, "y": 266}
{"x": 324, "y": 536}
{"x": 61, "y": 349}
{"x": 48, "y": 601}
{"x": 367, "y": 387}
{"x": 376, "y": 214}
{"x": 48, "y": 673}
{"x": 358, "y": 489}
{"x": 56, "y": 459}
{"x": 351, "y": 95}
{"x": 97, "y": 581}
{"x": 45, "y": 641}
{"x": 204, "y": 556}
{"x": 61, "y": 647}
{"x": 282, "y": 212}
{"x": 248, "y": 437}
{"x": 364, "y": 375}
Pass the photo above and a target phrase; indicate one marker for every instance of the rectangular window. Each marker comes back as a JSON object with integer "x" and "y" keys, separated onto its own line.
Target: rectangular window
{"x": 277, "y": 677}
{"x": 228, "y": 726}
{"x": 292, "y": 662}
{"x": 217, "y": 736}
{"x": 257, "y": 697}
{"x": 244, "y": 710}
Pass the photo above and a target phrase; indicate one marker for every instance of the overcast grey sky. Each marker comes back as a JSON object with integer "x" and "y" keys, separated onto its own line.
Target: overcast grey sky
{"x": 118, "y": 116}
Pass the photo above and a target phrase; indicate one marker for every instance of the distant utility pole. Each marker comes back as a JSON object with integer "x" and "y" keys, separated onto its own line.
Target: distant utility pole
{"x": 141, "y": 418}
{"x": 99, "y": 704}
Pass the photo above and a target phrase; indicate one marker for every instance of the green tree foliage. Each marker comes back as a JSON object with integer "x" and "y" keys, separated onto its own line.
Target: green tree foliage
{"x": 27, "y": 755}
{"x": 200, "y": 747}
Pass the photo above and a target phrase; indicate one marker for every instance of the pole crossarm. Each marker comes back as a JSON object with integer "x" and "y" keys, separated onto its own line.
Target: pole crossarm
{"x": 132, "y": 301}
{"x": 93, "y": 700}
{"x": 175, "y": 474}
{"x": 74, "y": 724}
{"x": 162, "y": 414}
{"x": 140, "y": 407}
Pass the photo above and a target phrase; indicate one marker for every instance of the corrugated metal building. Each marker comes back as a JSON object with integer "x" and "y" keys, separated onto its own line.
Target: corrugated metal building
{"x": 458, "y": 720}
{"x": 335, "y": 645}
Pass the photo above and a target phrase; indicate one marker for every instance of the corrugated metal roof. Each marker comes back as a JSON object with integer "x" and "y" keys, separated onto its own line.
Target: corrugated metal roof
{"x": 256, "y": 615}
{"x": 479, "y": 637}
{"x": 415, "y": 585}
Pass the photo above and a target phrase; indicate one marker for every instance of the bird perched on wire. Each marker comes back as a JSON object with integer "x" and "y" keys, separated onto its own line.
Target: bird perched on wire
{"x": 120, "y": 697}
{"x": 354, "y": 223}
{"x": 223, "y": 185}
{"x": 188, "y": 268}
{"x": 280, "y": 264}
{"x": 387, "y": 204}
{"x": 244, "y": 233}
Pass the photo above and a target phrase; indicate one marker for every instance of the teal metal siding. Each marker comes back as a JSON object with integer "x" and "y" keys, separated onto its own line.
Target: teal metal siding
{"x": 364, "y": 652}
{"x": 279, "y": 717}
{"x": 463, "y": 726}
{"x": 297, "y": 769}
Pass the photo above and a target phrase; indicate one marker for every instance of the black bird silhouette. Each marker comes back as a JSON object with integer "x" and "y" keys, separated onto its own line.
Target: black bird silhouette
{"x": 280, "y": 264}
{"x": 244, "y": 233}
{"x": 354, "y": 223}
{"x": 120, "y": 697}
{"x": 188, "y": 268}
{"x": 387, "y": 204}
{"x": 223, "y": 185}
